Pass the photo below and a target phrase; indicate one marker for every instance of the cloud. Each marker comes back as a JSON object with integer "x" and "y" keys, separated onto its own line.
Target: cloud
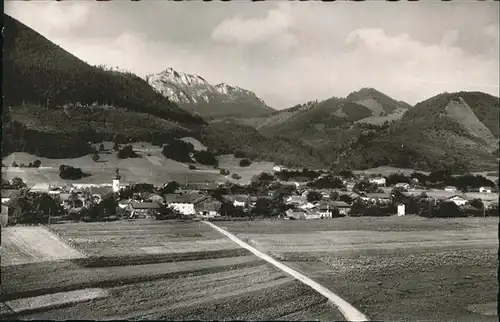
{"x": 273, "y": 27}
{"x": 287, "y": 53}
{"x": 51, "y": 17}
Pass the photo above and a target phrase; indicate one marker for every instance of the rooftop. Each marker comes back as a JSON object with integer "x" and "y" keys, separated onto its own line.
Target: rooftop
{"x": 145, "y": 205}
{"x": 185, "y": 198}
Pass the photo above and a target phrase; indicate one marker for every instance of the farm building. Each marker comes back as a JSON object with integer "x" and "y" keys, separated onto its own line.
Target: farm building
{"x": 149, "y": 196}
{"x": 379, "y": 181}
{"x": 201, "y": 186}
{"x": 403, "y": 185}
{"x": 485, "y": 189}
{"x": 458, "y": 200}
{"x": 343, "y": 207}
{"x": 185, "y": 203}
{"x": 207, "y": 207}
{"x": 144, "y": 210}
{"x": 324, "y": 209}
{"x": 237, "y": 200}
{"x": 376, "y": 197}
{"x": 278, "y": 168}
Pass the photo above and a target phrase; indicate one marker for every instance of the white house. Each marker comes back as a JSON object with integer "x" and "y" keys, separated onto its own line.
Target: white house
{"x": 485, "y": 189}
{"x": 182, "y": 203}
{"x": 458, "y": 200}
{"x": 402, "y": 185}
{"x": 380, "y": 181}
{"x": 237, "y": 200}
{"x": 401, "y": 210}
{"x": 450, "y": 189}
{"x": 278, "y": 168}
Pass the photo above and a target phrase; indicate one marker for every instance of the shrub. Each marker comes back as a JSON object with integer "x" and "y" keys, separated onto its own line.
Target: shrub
{"x": 95, "y": 157}
{"x": 224, "y": 172}
{"x": 116, "y": 147}
{"x": 17, "y": 183}
{"x": 14, "y": 164}
{"x": 170, "y": 187}
{"x": 245, "y": 163}
{"x": 236, "y": 176}
{"x": 313, "y": 196}
{"x": 206, "y": 158}
{"x": 127, "y": 152}
{"x": 37, "y": 163}
{"x": 192, "y": 167}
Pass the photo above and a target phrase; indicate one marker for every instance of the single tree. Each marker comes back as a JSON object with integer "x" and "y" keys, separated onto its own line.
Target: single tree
{"x": 313, "y": 195}
{"x": 17, "y": 183}
{"x": 95, "y": 157}
{"x": 334, "y": 196}
{"x": 245, "y": 163}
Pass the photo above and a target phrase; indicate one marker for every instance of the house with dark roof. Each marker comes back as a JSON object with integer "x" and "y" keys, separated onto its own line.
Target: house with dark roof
{"x": 145, "y": 210}
{"x": 201, "y": 186}
{"x": 376, "y": 197}
{"x": 185, "y": 203}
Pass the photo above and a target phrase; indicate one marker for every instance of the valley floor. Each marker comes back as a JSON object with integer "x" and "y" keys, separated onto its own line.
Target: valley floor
{"x": 391, "y": 268}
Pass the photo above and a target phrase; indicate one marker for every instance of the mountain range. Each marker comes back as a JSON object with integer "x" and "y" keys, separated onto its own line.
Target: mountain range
{"x": 52, "y": 98}
{"x": 196, "y": 95}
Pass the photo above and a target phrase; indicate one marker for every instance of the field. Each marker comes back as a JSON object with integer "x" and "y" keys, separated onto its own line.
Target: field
{"x": 394, "y": 268}
{"x": 21, "y": 245}
{"x": 156, "y": 270}
{"x": 229, "y": 162}
{"x": 152, "y": 168}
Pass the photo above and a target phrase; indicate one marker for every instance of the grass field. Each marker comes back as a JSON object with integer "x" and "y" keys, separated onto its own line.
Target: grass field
{"x": 229, "y": 162}
{"x": 158, "y": 270}
{"x": 152, "y": 168}
{"x": 21, "y": 245}
{"x": 395, "y": 268}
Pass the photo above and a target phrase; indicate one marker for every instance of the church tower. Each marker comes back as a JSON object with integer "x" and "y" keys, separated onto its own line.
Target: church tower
{"x": 116, "y": 181}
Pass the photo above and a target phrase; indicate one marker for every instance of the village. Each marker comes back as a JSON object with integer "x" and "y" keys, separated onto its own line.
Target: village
{"x": 290, "y": 194}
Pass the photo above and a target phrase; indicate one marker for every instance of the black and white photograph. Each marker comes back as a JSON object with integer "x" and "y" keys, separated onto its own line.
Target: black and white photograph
{"x": 250, "y": 160}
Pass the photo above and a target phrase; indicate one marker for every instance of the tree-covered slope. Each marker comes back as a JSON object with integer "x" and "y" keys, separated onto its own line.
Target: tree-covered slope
{"x": 36, "y": 70}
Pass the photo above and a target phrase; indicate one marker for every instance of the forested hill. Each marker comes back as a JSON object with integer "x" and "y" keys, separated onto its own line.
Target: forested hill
{"x": 38, "y": 71}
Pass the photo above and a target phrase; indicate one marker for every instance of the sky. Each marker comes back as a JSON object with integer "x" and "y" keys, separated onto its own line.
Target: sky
{"x": 287, "y": 53}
